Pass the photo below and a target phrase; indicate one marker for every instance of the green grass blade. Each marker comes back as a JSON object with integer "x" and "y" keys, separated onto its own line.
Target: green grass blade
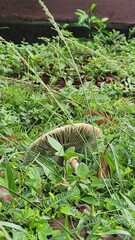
{"x": 10, "y": 176}
{"x": 130, "y": 204}
{"x": 116, "y": 163}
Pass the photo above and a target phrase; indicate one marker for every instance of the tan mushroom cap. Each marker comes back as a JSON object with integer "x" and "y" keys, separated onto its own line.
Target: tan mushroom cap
{"x": 78, "y": 135}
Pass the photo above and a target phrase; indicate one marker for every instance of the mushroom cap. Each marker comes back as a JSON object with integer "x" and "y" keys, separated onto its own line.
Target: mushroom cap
{"x": 79, "y": 135}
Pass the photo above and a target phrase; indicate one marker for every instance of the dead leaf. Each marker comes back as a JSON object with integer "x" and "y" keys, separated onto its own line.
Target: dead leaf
{"x": 78, "y": 81}
{"x": 104, "y": 117}
{"x": 5, "y": 195}
{"x": 60, "y": 83}
{"x": 51, "y": 65}
{"x": 45, "y": 78}
{"x": 10, "y": 137}
{"x": 103, "y": 171}
{"x": 71, "y": 224}
{"x": 110, "y": 77}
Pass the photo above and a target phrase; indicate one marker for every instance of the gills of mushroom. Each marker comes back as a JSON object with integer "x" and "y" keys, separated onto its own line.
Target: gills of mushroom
{"x": 79, "y": 136}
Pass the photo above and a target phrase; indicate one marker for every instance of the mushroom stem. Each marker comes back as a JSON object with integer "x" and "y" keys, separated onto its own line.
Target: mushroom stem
{"x": 73, "y": 162}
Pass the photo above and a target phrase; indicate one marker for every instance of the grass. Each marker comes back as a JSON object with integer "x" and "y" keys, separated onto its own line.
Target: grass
{"x": 61, "y": 81}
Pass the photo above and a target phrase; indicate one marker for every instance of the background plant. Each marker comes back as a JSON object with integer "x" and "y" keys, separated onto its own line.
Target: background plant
{"x": 90, "y": 21}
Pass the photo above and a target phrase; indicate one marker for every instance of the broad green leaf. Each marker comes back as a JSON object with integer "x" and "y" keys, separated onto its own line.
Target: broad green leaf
{"x": 68, "y": 210}
{"x": 70, "y": 149}
{"x": 72, "y": 154}
{"x": 104, "y": 19}
{"x": 76, "y": 195}
{"x": 83, "y": 18}
{"x": 34, "y": 180}
{"x": 94, "y": 19}
{"x": 56, "y": 145}
{"x": 92, "y": 7}
{"x": 82, "y": 170}
{"x": 42, "y": 235}
{"x": 79, "y": 12}
{"x": 43, "y": 231}
{"x": 97, "y": 182}
{"x": 90, "y": 200}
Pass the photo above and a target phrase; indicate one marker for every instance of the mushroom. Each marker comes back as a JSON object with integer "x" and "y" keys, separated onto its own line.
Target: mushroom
{"x": 79, "y": 135}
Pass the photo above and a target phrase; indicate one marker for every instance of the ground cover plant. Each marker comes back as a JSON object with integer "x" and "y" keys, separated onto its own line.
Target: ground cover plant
{"x": 63, "y": 81}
